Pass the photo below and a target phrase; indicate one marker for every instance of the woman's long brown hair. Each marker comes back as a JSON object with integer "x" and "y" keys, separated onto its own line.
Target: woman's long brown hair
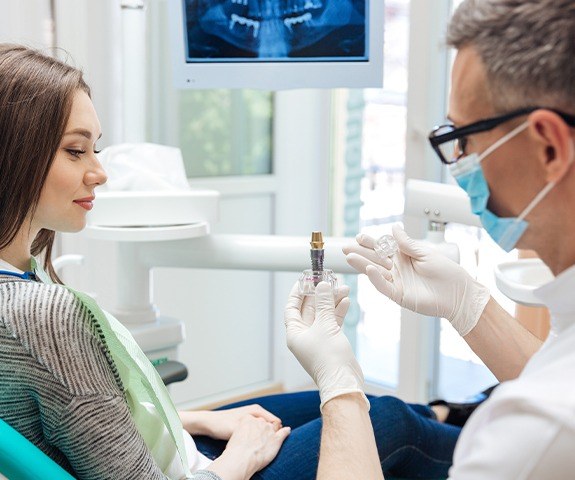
{"x": 36, "y": 94}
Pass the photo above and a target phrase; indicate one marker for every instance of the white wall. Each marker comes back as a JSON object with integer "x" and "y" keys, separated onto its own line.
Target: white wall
{"x": 26, "y": 21}
{"x": 89, "y": 34}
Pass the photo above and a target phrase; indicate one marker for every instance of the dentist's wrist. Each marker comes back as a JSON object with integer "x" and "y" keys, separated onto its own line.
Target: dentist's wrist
{"x": 347, "y": 380}
{"x": 471, "y": 308}
{"x": 327, "y": 397}
{"x": 356, "y": 400}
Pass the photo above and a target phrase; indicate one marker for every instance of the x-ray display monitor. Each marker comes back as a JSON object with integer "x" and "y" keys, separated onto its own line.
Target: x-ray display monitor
{"x": 276, "y": 44}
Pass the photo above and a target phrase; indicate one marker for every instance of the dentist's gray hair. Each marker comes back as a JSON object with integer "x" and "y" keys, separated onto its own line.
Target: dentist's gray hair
{"x": 527, "y": 47}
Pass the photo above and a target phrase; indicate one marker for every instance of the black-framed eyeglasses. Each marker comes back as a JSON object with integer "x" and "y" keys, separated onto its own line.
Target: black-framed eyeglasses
{"x": 450, "y": 142}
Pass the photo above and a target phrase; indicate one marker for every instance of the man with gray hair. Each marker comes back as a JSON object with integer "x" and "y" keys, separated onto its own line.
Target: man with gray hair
{"x": 510, "y": 145}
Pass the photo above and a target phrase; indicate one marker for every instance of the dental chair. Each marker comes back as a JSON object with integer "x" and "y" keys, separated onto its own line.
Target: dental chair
{"x": 20, "y": 459}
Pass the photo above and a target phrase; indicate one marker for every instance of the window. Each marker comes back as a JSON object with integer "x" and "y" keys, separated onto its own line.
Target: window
{"x": 225, "y": 132}
{"x": 382, "y": 194}
{"x": 220, "y": 132}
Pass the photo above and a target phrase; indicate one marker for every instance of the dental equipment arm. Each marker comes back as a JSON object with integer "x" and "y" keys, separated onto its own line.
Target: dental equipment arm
{"x": 137, "y": 258}
{"x": 241, "y": 252}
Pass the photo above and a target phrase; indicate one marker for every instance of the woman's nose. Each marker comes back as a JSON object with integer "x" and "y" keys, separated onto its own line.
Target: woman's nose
{"x": 96, "y": 175}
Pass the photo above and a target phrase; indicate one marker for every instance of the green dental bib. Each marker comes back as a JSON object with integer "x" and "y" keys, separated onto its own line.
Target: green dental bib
{"x": 152, "y": 408}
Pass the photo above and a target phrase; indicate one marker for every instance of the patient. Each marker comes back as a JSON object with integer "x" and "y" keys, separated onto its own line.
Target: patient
{"x": 72, "y": 379}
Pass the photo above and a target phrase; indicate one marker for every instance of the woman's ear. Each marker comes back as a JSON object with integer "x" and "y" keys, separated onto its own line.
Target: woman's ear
{"x": 554, "y": 141}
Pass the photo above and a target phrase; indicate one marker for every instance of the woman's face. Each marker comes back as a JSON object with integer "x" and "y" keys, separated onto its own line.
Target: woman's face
{"x": 68, "y": 193}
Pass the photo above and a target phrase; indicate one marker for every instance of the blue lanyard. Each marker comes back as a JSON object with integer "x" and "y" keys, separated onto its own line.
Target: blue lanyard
{"x": 23, "y": 276}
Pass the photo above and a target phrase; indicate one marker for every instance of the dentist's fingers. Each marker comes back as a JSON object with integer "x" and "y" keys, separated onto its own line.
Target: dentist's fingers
{"x": 308, "y": 310}
{"x": 406, "y": 244}
{"x": 295, "y": 298}
{"x": 292, "y": 311}
{"x": 365, "y": 240}
{"x": 308, "y": 306}
{"x": 341, "y": 310}
{"x": 385, "y": 286}
{"x": 368, "y": 254}
{"x": 361, "y": 263}
{"x": 341, "y": 293}
{"x": 358, "y": 262}
{"x": 324, "y": 303}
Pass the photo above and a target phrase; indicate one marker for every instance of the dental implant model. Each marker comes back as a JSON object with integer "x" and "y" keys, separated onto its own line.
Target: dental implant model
{"x": 386, "y": 246}
{"x": 317, "y": 251}
{"x": 310, "y": 278}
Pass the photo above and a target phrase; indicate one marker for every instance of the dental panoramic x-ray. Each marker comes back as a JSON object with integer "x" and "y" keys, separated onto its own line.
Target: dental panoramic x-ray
{"x": 279, "y": 30}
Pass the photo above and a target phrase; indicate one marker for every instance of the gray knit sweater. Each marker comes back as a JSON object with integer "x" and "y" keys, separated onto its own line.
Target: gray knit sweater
{"x": 60, "y": 389}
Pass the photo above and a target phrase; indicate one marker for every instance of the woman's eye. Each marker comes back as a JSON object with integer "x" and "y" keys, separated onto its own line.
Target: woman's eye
{"x": 75, "y": 153}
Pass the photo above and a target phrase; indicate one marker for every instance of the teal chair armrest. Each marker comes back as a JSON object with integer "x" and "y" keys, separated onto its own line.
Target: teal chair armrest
{"x": 20, "y": 458}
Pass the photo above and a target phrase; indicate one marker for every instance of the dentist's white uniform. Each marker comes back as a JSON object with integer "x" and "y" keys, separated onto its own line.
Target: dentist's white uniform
{"x": 526, "y": 430}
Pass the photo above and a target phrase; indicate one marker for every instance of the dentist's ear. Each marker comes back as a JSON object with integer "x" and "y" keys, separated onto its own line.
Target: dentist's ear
{"x": 555, "y": 143}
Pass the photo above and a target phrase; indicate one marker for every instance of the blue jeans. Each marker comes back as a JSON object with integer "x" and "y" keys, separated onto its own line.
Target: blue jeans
{"x": 411, "y": 443}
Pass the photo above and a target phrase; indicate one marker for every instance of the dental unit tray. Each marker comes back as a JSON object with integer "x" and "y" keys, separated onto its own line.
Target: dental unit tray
{"x": 154, "y": 208}
{"x": 518, "y": 279}
{"x": 146, "y": 216}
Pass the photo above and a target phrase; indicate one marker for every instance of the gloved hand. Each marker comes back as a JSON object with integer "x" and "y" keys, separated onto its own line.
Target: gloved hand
{"x": 318, "y": 342}
{"x": 421, "y": 279}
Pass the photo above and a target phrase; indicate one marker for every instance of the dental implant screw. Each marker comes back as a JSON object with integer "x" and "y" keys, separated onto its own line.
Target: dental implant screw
{"x": 317, "y": 251}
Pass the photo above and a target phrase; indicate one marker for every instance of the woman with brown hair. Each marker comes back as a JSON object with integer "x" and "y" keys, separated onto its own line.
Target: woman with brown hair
{"x": 72, "y": 380}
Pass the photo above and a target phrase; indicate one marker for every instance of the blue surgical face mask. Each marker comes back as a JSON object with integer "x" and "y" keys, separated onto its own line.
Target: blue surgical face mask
{"x": 469, "y": 175}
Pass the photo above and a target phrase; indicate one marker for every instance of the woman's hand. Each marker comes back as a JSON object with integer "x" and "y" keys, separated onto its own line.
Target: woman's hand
{"x": 257, "y": 440}
{"x": 254, "y": 443}
{"x": 221, "y": 424}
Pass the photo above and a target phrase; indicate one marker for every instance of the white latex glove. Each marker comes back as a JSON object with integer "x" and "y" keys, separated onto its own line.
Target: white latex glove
{"x": 319, "y": 343}
{"x": 420, "y": 278}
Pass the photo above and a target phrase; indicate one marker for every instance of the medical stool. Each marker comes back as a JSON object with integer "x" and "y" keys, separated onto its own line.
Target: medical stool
{"x": 20, "y": 459}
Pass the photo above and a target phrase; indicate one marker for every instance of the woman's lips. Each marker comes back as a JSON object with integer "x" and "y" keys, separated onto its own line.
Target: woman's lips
{"x": 86, "y": 204}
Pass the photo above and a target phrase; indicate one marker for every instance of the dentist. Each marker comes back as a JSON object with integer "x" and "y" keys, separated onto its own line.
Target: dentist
{"x": 510, "y": 144}
{"x": 72, "y": 379}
